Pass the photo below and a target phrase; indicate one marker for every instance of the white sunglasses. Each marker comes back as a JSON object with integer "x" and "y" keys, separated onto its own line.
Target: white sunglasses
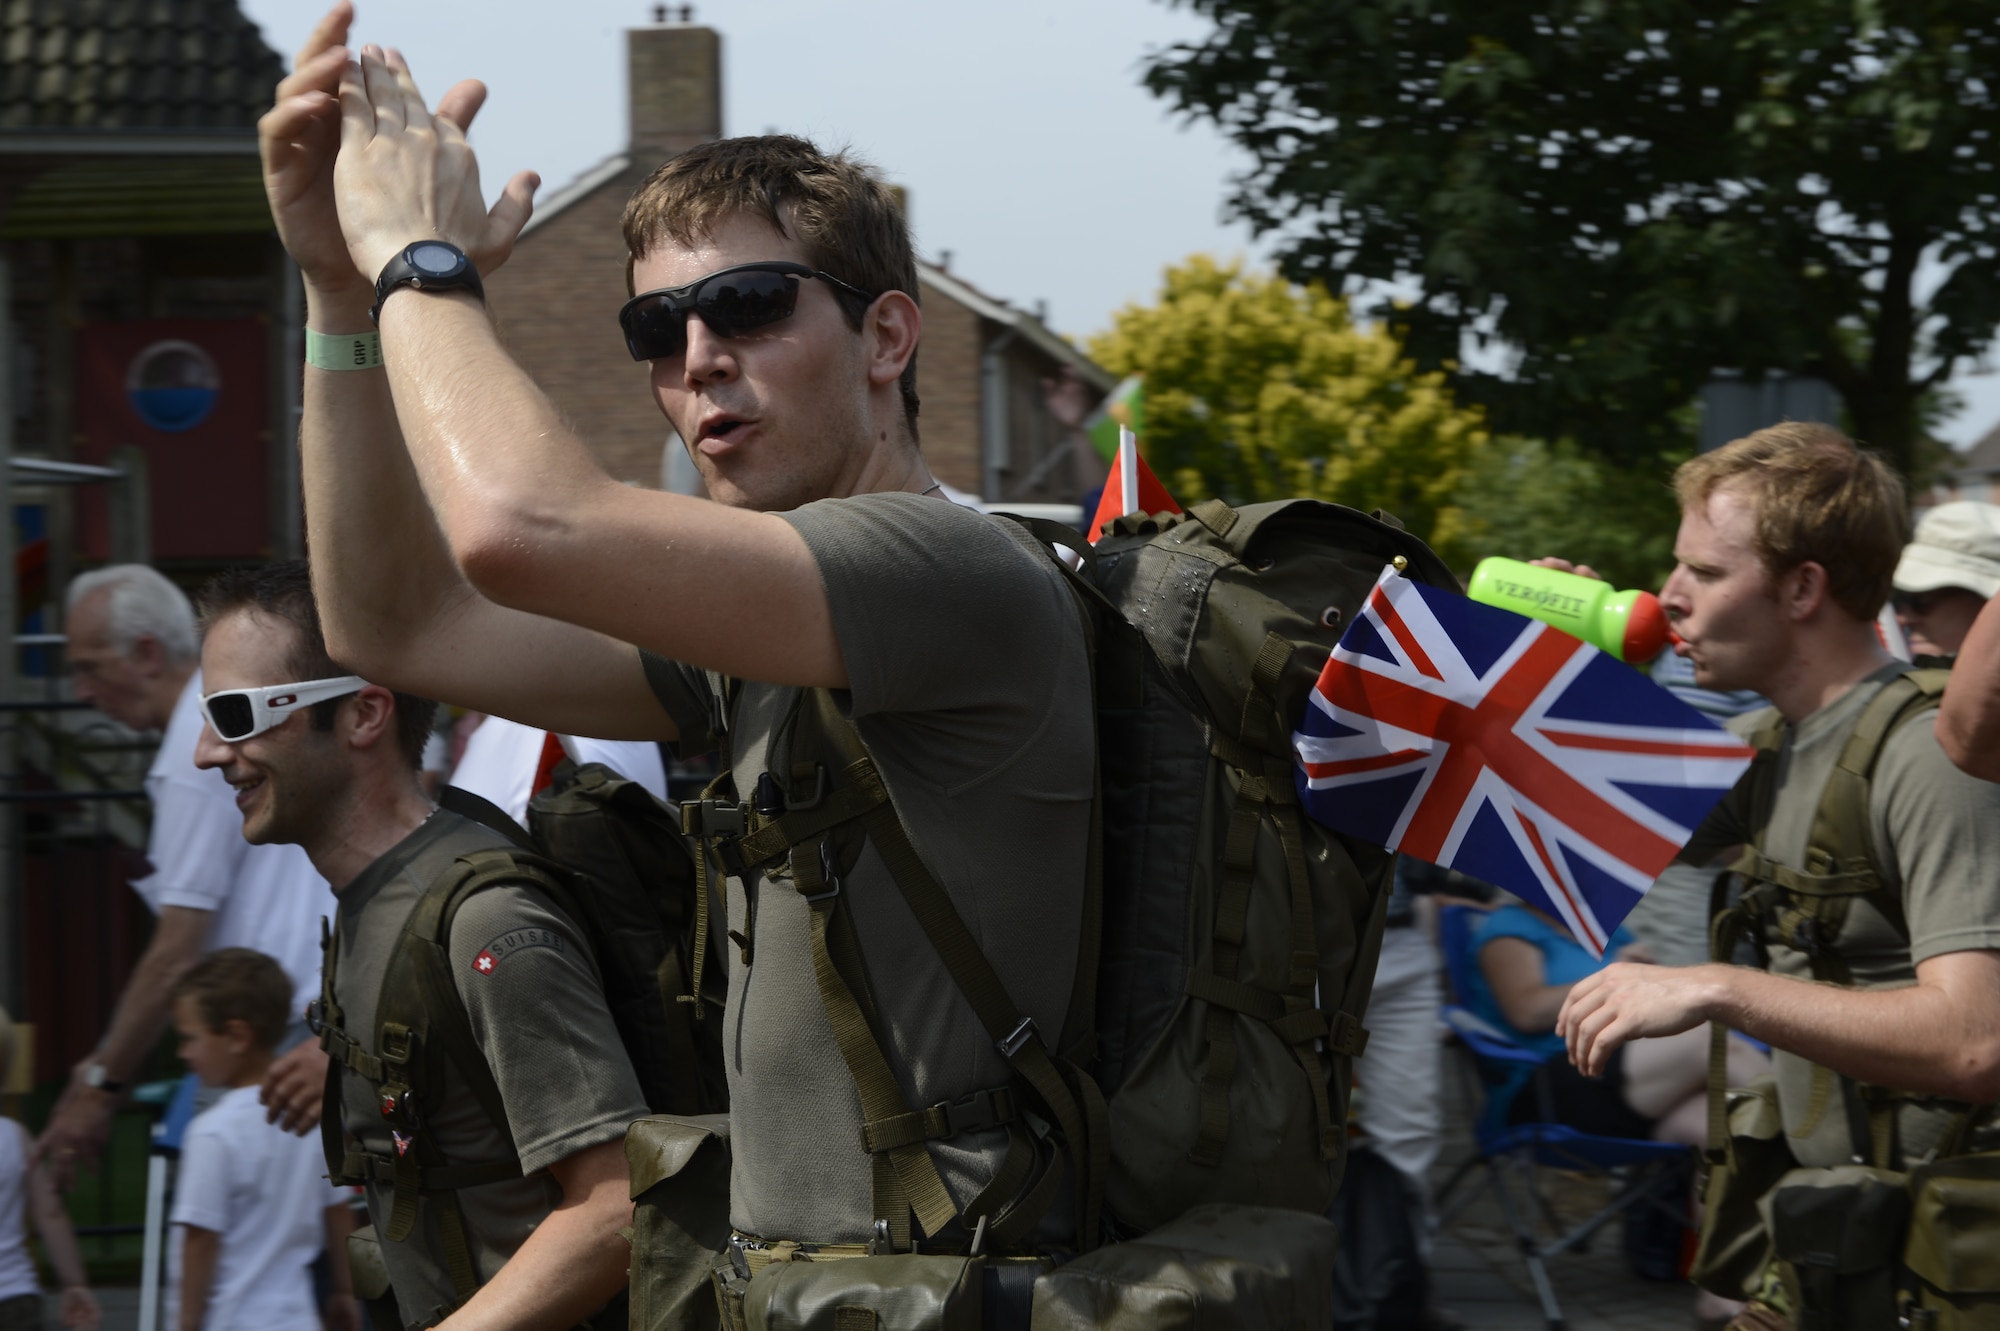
{"x": 239, "y": 714}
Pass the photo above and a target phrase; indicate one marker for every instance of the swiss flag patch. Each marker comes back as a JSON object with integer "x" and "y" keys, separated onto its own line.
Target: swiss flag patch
{"x": 485, "y": 962}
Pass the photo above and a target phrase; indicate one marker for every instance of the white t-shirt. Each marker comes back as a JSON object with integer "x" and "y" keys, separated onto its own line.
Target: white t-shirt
{"x": 17, "y": 1267}
{"x": 265, "y": 1192}
{"x": 502, "y": 757}
{"x": 265, "y": 897}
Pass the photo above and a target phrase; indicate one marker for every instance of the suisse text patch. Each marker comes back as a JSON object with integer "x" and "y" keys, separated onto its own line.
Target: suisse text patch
{"x": 514, "y": 940}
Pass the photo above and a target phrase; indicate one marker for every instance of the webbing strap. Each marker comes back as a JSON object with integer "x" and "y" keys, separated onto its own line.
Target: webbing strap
{"x": 905, "y": 1179}
{"x": 987, "y": 1109}
{"x": 1304, "y": 976}
{"x": 366, "y": 1166}
{"x": 1232, "y": 911}
{"x": 703, "y": 839}
{"x": 1011, "y": 1032}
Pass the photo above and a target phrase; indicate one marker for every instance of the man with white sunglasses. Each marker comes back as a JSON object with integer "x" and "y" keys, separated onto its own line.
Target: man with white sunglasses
{"x": 132, "y": 655}
{"x": 525, "y": 1233}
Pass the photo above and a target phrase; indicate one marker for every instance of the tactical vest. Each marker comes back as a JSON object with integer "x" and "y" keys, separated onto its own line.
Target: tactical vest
{"x": 1851, "y": 1246}
{"x": 605, "y": 852}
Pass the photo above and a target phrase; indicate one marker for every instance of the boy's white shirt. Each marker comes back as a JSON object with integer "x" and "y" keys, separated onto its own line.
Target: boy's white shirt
{"x": 17, "y": 1264}
{"x": 265, "y": 1192}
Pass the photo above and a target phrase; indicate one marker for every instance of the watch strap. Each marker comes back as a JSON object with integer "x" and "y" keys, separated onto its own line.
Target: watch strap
{"x": 343, "y": 351}
{"x": 98, "y": 1078}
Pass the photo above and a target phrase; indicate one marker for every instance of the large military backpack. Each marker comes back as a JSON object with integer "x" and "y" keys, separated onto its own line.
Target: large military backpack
{"x": 1233, "y": 943}
{"x": 1884, "y": 1238}
{"x": 611, "y": 858}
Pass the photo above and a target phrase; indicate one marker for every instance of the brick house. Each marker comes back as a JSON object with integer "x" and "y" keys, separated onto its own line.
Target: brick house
{"x": 986, "y": 428}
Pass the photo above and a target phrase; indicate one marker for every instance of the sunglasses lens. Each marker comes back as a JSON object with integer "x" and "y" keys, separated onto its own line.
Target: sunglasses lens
{"x": 230, "y": 714}
{"x": 733, "y": 305}
{"x": 654, "y": 329}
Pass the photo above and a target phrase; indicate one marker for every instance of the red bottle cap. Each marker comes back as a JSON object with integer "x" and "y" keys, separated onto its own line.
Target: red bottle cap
{"x": 1646, "y": 629}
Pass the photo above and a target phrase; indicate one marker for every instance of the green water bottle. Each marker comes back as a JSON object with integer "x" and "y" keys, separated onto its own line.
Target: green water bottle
{"x": 1629, "y": 625}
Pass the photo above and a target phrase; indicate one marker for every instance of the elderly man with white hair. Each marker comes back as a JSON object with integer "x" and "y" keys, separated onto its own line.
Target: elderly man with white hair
{"x": 134, "y": 655}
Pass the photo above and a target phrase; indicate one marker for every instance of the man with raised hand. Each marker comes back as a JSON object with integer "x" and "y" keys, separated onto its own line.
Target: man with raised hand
{"x": 467, "y": 546}
{"x": 1873, "y": 898}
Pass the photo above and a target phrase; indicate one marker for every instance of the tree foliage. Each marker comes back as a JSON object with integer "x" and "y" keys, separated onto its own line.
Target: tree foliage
{"x": 1628, "y": 194}
{"x": 1259, "y": 389}
{"x": 1524, "y": 498}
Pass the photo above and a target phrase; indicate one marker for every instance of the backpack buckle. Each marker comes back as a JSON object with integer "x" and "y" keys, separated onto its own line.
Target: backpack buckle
{"x": 398, "y": 1042}
{"x": 712, "y": 818}
{"x": 1017, "y": 1037}
{"x": 316, "y": 1016}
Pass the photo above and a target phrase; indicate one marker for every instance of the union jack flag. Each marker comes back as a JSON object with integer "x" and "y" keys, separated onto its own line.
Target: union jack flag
{"x": 1485, "y": 741}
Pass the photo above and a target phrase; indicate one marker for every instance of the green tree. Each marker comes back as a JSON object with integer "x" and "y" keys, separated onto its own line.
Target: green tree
{"x": 1628, "y": 195}
{"x": 1259, "y": 389}
{"x": 1524, "y": 498}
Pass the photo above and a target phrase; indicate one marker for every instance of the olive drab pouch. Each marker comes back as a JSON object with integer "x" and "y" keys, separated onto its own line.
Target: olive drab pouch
{"x": 1953, "y": 1254}
{"x": 370, "y": 1277}
{"x": 680, "y": 1219}
{"x": 1216, "y": 1268}
{"x": 1735, "y": 1247}
{"x": 900, "y": 1292}
{"x": 1836, "y": 1239}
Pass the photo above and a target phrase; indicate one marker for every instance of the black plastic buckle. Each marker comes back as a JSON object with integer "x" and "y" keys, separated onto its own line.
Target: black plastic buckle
{"x": 399, "y": 1107}
{"x": 818, "y": 791}
{"x": 316, "y": 1016}
{"x": 1017, "y": 1037}
{"x": 977, "y": 1112}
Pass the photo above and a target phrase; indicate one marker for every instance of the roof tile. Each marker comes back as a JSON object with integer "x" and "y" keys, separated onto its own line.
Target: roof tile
{"x": 132, "y": 64}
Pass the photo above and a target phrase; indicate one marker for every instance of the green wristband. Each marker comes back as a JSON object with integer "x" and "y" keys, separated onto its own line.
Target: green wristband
{"x": 344, "y": 351}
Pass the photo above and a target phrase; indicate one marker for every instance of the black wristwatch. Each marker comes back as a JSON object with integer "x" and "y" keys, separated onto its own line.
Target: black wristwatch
{"x": 428, "y": 265}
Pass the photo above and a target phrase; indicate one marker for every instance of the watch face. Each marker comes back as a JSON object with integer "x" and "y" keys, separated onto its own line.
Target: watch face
{"x": 433, "y": 258}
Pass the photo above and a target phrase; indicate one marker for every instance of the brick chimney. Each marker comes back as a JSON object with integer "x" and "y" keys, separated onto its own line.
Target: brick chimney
{"x": 674, "y": 72}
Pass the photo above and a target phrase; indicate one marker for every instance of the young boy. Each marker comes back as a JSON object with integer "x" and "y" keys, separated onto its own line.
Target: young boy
{"x": 26, "y": 1189}
{"x": 252, "y": 1207}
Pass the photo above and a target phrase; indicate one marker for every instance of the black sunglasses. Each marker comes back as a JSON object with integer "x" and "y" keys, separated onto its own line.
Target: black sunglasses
{"x": 731, "y": 303}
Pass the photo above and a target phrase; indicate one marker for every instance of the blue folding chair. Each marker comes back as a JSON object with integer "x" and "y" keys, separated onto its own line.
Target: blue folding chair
{"x": 1646, "y": 1173}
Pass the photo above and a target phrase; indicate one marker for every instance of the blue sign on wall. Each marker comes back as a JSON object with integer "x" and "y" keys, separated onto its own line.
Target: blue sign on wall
{"x": 172, "y": 385}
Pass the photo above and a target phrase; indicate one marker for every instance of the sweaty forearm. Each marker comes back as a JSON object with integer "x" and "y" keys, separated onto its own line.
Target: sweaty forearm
{"x": 1968, "y": 725}
{"x": 380, "y": 567}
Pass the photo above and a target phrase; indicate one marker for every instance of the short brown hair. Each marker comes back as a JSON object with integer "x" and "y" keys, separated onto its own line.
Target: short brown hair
{"x": 1819, "y": 499}
{"x": 849, "y": 220}
{"x": 284, "y": 591}
{"x": 238, "y": 984}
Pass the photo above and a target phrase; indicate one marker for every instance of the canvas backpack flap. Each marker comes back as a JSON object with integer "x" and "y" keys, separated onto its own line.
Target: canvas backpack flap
{"x": 1953, "y": 1254}
{"x": 680, "y": 1219}
{"x": 1215, "y": 1268}
{"x": 1836, "y": 1237}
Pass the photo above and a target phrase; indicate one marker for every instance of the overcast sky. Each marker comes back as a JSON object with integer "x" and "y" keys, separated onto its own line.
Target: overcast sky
{"x": 1029, "y": 151}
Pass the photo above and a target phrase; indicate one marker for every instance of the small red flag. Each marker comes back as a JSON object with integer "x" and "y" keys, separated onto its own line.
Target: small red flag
{"x": 1130, "y": 488}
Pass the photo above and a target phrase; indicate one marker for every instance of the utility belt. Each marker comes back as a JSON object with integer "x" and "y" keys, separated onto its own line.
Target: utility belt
{"x": 1853, "y": 1247}
{"x": 1217, "y": 1267}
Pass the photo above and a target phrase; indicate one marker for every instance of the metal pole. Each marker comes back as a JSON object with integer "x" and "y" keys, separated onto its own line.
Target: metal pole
{"x": 12, "y": 946}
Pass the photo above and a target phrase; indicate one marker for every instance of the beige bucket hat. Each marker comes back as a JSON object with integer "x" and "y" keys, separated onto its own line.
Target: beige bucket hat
{"x": 1955, "y": 545}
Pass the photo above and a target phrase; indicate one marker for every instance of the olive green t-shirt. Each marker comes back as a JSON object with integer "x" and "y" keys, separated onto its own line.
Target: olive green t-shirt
{"x": 1937, "y": 838}
{"x": 969, "y": 684}
{"x": 536, "y": 1004}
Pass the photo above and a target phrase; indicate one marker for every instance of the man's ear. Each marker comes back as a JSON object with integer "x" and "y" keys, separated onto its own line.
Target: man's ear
{"x": 1803, "y": 590}
{"x": 371, "y": 717}
{"x": 894, "y": 325}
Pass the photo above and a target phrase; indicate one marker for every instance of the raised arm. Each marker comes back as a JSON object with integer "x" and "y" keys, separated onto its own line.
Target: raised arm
{"x": 1968, "y": 725}
{"x": 524, "y": 510}
{"x": 396, "y": 608}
